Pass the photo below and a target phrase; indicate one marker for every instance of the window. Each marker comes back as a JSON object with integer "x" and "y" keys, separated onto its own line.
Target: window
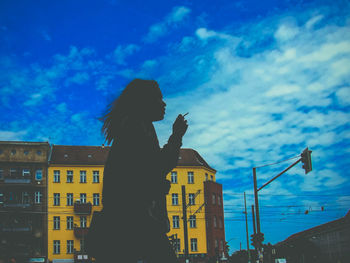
{"x": 175, "y": 199}
{"x": 213, "y": 199}
{"x": 69, "y": 176}
{"x": 83, "y": 198}
{"x": 96, "y": 199}
{"x": 1, "y": 174}
{"x": 212, "y": 178}
{"x": 82, "y": 244}
{"x": 194, "y": 246}
{"x": 96, "y": 176}
{"x": 56, "y": 176}
{"x": 56, "y": 199}
{"x": 1, "y": 198}
{"x": 83, "y": 221}
{"x": 193, "y": 222}
{"x": 219, "y": 199}
{"x": 190, "y": 177}
{"x": 206, "y": 177}
{"x": 13, "y": 152}
{"x": 39, "y": 174}
{"x": 216, "y": 244}
{"x": 83, "y": 176}
{"x": 26, "y": 172}
{"x": 25, "y": 198}
{"x": 38, "y": 152}
{"x": 70, "y": 222}
{"x": 220, "y": 222}
{"x": 56, "y": 222}
{"x": 222, "y": 245}
{"x": 70, "y": 246}
{"x": 26, "y": 152}
{"x": 176, "y": 222}
{"x": 191, "y": 199}
{"x": 69, "y": 199}
{"x": 37, "y": 197}
{"x": 56, "y": 246}
{"x": 177, "y": 245}
{"x": 13, "y": 172}
{"x": 174, "y": 177}
{"x": 215, "y": 222}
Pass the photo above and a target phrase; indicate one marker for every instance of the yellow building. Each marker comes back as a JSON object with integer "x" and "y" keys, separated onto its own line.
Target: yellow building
{"x": 75, "y": 177}
{"x": 204, "y": 208}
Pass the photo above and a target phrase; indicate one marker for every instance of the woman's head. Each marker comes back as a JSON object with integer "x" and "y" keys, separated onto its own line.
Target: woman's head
{"x": 141, "y": 99}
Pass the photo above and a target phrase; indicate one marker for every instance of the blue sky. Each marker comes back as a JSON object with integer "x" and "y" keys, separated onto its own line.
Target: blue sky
{"x": 261, "y": 81}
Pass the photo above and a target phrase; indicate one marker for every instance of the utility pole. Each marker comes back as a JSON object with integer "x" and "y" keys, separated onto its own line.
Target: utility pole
{"x": 184, "y": 211}
{"x": 246, "y": 226}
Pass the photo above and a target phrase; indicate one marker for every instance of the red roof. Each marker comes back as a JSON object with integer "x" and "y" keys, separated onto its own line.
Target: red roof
{"x": 97, "y": 155}
{"x": 91, "y": 155}
{"x": 190, "y": 157}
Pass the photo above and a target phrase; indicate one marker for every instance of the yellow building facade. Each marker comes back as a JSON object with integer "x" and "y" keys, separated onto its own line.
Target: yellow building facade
{"x": 194, "y": 189}
{"x": 75, "y": 180}
{"x": 75, "y": 177}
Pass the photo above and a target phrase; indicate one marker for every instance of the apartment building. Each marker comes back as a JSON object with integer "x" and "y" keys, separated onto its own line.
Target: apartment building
{"x": 23, "y": 204}
{"x": 75, "y": 177}
{"x": 203, "y": 205}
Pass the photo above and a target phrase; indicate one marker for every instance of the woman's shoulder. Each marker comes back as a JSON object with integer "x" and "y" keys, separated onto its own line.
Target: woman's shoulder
{"x": 131, "y": 128}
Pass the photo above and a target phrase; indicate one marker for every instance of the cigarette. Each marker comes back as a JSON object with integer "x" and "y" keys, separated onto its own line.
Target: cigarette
{"x": 185, "y": 114}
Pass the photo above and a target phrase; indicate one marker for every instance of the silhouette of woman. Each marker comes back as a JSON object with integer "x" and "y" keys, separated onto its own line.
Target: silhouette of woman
{"x": 134, "y": 215}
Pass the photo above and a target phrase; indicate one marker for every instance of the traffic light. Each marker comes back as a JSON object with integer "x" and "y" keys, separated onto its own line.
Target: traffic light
{"x": 254, "y": 240}
{"x": 257, "y": 239}
{"x": 306, "y": 160}
{"x": 260, "y": 237}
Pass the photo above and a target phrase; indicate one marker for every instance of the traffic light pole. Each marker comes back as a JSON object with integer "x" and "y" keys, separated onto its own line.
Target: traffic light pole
{"x": 306, "y": 159}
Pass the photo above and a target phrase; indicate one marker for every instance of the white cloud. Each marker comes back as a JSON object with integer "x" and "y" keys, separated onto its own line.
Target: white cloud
{"x": 169, "y": 22}
{"x": 122, "y": 52}
{"x": 12, "y": 136}
{"x": 286, "y": 32}
{"x": 343, "y": 95}
{"x": 313, "y": 21}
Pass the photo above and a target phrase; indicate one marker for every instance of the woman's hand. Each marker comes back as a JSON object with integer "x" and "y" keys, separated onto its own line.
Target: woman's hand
{"x": 180, "y": 126}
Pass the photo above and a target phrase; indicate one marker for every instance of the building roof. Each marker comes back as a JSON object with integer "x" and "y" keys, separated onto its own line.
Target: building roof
{"x": 190, "y": 157}
{"x": 69, "y": 154}
{"x": 318, "y": 229}
{"x": 23, "y": 143}
{"x": 97, "y": 155}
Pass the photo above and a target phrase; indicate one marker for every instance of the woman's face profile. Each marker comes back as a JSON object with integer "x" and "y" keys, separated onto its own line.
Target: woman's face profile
{"x": 156, "y": 108}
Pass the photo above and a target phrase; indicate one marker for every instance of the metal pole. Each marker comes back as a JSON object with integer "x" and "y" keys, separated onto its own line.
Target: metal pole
{"x": 184, "y": 211}
{"x": 253, "y": 216}
{"x": 256, "y": 201}
{"x": 259, "y": 245}
{"x": 246, "y": 226}
{"x": 285, "y": 170}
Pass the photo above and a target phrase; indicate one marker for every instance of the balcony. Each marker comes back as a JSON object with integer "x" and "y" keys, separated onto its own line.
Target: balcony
{"x": 17, "y": 229}
{"x": 81, "y": 256}
{"x": 82, "y": 208}
{"x": 18, "y": 180}
{"x": 80, "y": 232}
{"x": 15, "y": 206}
